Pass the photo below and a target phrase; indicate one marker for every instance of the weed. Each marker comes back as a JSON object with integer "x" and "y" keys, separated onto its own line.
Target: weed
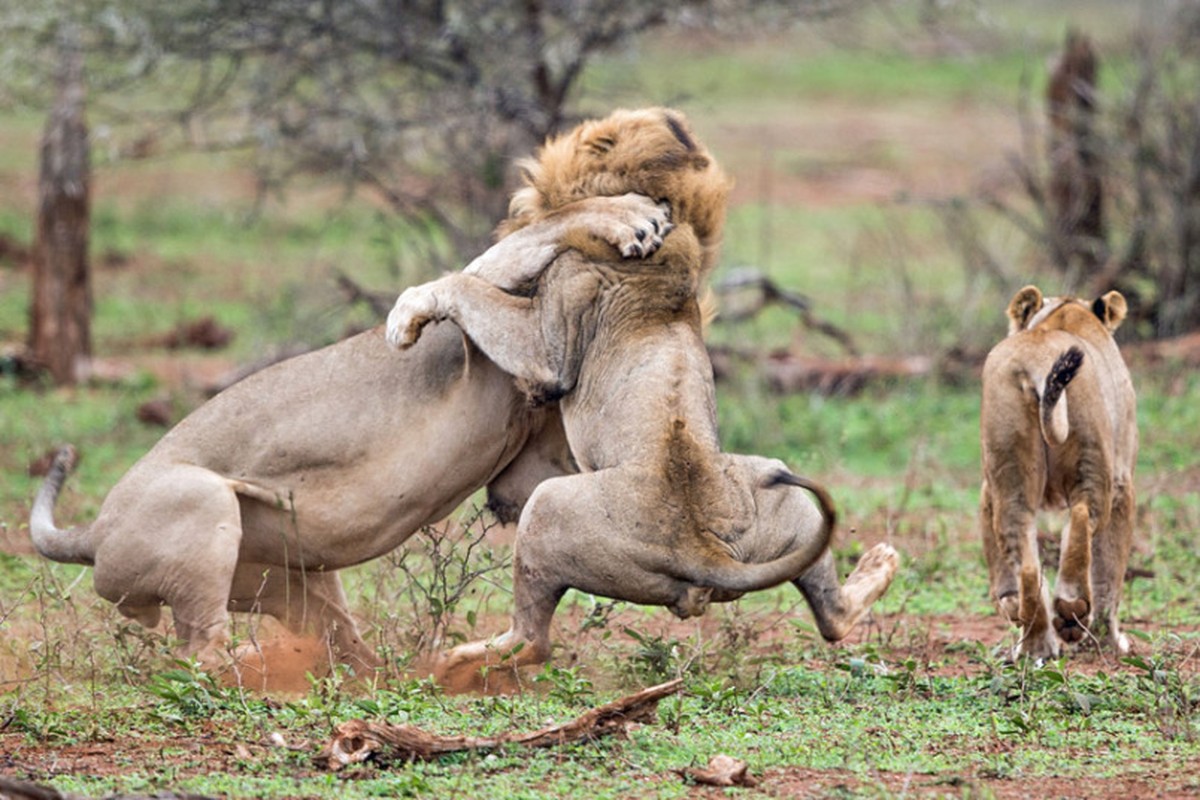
{"x": 1172, "y": 698}
{"x": 656, "y": 658}
{"x": 416, "y": 593}
{"x": 568, "y": 685}
{"x": 189, "y": 693}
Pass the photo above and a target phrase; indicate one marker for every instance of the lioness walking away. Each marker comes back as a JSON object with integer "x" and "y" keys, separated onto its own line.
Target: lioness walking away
{"x": 1058, "y": 430}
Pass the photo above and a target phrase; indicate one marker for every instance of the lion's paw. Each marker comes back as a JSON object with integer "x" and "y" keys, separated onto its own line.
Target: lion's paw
{"x": 415, "y": 308}
{"x": 1041, "y": 646}
{"x": 873, "y": 574}
{"x": 637, "y": 225}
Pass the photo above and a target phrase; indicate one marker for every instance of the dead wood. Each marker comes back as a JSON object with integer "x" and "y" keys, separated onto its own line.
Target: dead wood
{"x": 722, "y": 770}
{"x": 767, "y": 292}
{"x": 380, "y": 304}
{"x": 358, "y": 740}
{"x": 789, "y": 372}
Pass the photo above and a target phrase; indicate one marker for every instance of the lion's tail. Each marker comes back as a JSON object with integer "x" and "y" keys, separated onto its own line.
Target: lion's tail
{"x": 739, "y": 576}
{"x": 1053, "y": 401}
{"x": 71, "y": 546}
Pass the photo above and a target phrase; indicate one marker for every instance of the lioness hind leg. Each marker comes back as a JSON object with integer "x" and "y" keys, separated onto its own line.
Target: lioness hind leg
{"x": 838, "y": 608}
{"x": 1013, "y": 523}
{"x": 1003, "y": 573}
{"x": 1037, "y": 632}
{"x": 1110, "y": 557}
{"x": 1073, "y": 594}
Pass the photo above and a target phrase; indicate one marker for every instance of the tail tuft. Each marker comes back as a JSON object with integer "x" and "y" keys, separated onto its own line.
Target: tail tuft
{"x": 1054, "y": 406}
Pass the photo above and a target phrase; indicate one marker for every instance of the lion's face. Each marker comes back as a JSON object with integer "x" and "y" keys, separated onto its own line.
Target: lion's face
{"x": 648, "y": 151}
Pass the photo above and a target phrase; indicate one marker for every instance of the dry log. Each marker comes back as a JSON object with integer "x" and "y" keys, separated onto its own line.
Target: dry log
{"x": 722, "y": 770}
{"x": 358, "y": 740}
{"x": 788, "y": 372}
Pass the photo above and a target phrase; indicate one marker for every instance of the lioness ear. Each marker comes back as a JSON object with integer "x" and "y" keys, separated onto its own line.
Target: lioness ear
{"x": 1025, "y": 303}
{"x": 1111, "y": 309}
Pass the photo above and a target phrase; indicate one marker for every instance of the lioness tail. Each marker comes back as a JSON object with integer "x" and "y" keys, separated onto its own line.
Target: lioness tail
{"x": 72, "y": 546}
{"x": 1053, "y": 404}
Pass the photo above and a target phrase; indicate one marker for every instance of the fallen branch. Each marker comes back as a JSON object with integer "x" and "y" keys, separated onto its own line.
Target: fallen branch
{"x": 771, "y": 293}
{"x": 380, "y": 304}
{"x": 357, "y": 740}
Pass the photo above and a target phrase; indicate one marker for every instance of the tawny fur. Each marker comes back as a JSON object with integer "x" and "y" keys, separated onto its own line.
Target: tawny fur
{"x": 1059, "y": 430}
{"x": 257, "y": 498}
{"x": 659, "y": 515}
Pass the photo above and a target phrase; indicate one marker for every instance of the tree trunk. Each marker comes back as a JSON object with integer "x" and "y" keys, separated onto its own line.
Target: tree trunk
{"x": 60, "y": 314}
{"x": 1078, "y": 238}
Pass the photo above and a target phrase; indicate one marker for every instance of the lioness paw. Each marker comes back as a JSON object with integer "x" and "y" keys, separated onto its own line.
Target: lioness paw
{"x": 415, "y": 308}
{"x": 1071, "y": 618}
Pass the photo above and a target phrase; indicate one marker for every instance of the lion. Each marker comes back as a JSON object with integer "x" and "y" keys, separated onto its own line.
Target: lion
{"x": 256, "y": 499}
{"x": 658, "y": 514}
{"x": 1058, "y": 430}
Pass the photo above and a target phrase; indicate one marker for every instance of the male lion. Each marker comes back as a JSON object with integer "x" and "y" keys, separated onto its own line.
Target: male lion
{"x": 1058, "y": 429}
{"x": 659, "y": 515}
{"x": 257, "y": 498}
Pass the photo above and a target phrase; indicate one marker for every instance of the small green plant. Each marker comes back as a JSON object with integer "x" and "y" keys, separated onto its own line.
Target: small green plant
{"x": 568, "y": 685}
{"x": 188, "y": 693}
{"x": 441, "y": 567}
{"x": 656, "y": 657}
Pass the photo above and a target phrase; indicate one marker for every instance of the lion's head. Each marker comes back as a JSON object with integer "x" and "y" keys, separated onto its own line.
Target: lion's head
{"x": 648, "y": 151}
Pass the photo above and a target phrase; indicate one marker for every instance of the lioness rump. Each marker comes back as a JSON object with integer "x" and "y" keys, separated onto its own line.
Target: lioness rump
{"x": 1058, "y": 430}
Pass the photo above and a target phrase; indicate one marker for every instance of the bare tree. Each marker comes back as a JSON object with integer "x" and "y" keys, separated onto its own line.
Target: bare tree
{"x": 1076, "y": 204}
{"x": 425, "y": 103}
{"x": 60, "y": 313}
{"x": 1115, "y": 200}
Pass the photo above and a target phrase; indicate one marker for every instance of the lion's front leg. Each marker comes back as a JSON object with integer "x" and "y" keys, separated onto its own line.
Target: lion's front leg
{"x": 416, "y": 307}
{"x": 635, "y": 225}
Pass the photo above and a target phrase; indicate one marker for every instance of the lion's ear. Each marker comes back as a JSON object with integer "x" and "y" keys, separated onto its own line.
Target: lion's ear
{"x": 599, "y": 145}
{"x": 1025, "y": 303}
{"x": 1111, "y": 309}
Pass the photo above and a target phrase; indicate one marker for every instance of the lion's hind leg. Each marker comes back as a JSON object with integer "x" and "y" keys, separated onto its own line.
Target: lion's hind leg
{"x": 837, "y": 608}
{"x": 172, "y": 538}
{"x": 1014, "y": 525}
{"x": 307, "y": 603}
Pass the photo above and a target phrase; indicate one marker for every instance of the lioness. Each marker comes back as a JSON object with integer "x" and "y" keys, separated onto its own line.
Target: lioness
{"x": 1058, "y": 429}
{"x": 257, "y": 498}
{"x": 659, "y": 515}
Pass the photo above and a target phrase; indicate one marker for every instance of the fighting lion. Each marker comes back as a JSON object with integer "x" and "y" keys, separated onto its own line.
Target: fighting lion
{"x": 258, "y": 498}
{"x": 1059, "y": 430}
{"x": 658, "y": 514}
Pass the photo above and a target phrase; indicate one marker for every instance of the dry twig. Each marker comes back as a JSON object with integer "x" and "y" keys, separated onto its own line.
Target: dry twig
{"x": 358, "y": 740}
